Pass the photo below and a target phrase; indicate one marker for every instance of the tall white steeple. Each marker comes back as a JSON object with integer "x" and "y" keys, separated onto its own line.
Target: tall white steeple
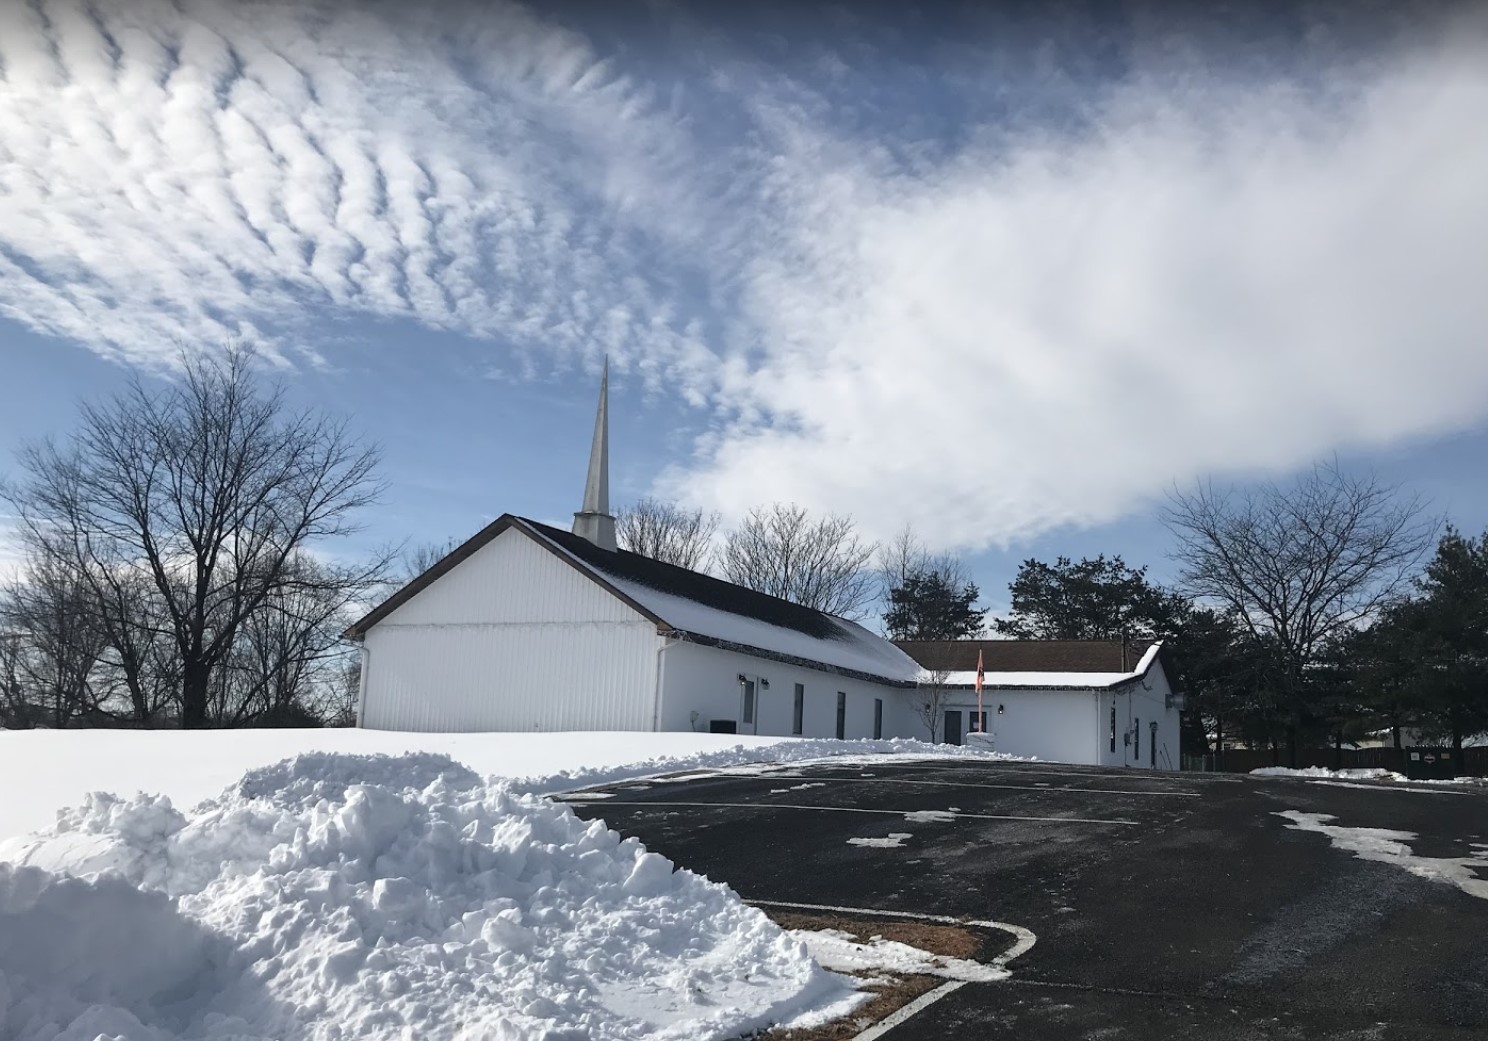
{"x": 594, "y": 521}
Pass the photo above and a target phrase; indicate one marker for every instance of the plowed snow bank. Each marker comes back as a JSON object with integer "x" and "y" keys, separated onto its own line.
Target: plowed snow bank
{"x": 334, "y": 897}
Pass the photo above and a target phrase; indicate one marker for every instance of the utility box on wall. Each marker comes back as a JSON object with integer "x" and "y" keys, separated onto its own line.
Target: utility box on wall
{"x": 1430, "y": 764}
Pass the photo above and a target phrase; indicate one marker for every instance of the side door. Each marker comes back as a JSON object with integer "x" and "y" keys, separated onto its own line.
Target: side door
{"x": 952, "y": 726}
{"x": 749, "y": 709}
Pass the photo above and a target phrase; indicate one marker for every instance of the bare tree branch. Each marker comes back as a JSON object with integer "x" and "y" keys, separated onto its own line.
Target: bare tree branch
{"x": 667, "y": 532}
{"x": 821, "y": 564}
{"x": 928, "y": 699}
{"x": 186, "y": 512}
{"x": 1302, "y": 565}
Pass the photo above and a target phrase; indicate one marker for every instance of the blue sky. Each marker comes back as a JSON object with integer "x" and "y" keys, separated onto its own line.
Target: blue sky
{"x": 1004, "y": 276}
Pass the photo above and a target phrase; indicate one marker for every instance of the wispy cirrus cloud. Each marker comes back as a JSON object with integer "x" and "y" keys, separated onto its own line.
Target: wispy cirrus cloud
{"x": 988, "y": 280}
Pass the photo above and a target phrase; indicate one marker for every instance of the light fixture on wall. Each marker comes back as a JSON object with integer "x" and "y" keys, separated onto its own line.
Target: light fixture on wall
{"x": 743, "y": 678}
{"x": 999, "y": 710}
{"x": 764, "y": 683}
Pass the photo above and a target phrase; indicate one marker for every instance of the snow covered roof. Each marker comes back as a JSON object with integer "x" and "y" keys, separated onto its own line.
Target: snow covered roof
{"x": 1067, "y": 678}
{"x": 721, "y": 613}
{"x": 696, "y": 606}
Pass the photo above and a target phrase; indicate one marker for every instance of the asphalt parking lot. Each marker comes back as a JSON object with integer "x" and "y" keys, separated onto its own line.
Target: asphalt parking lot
{"x": 1164, "y": 905}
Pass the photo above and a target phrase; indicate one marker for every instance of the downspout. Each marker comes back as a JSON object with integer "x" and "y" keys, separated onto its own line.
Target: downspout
{"x": 666, "y": 645}
{"x": 362, "y": 685}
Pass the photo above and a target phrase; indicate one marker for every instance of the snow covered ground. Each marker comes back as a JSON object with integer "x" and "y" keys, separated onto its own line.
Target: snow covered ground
{"x": 343, "y": 895}
{"x": 56, "y": 769}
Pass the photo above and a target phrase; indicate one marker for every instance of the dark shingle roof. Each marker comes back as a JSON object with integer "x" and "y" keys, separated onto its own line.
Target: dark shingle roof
{"x": 1026, "y": 655}
{"x": 694, "y": 586}
{"x": 693, "y": 605}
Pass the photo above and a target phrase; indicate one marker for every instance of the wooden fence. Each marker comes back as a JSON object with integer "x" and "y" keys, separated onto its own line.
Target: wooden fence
{"x": 1244, "y": 760}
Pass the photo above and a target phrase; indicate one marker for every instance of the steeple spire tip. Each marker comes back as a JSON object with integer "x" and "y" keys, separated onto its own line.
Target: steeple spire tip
{"x": 594, "y": 521}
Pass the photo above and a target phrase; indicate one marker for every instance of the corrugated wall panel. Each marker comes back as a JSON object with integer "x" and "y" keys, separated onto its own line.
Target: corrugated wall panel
{"x": 527, "y": 676}
{"x": 513, "y": 638}
{"x": 511, "y": 580}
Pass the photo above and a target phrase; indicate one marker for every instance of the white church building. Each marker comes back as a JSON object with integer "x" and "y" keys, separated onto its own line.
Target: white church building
{"x": 527, "y": 627}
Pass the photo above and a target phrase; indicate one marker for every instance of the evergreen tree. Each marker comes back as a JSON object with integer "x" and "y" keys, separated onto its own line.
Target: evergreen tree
{"x": 1443, "y": 636}
{"x": 929, "y": 606}
{"x": 1100, "y": 599}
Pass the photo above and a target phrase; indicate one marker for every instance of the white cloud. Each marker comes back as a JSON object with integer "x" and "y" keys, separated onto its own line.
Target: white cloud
{"x": 1051, "y": 328}
{"x": 217, "y": 171}
{"x": 988, "y": 336}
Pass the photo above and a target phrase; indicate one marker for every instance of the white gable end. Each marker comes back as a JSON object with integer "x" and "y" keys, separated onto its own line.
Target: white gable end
{"x": 511, "y": 580}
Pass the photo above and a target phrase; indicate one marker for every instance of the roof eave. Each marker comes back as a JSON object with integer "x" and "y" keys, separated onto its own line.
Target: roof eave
{"x": 790, "y": 659}
{"x": 358, "y": 629}
{"x": 467, "y": 549}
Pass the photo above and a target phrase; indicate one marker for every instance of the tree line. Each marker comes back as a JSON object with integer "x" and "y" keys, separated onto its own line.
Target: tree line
{"x": 179, "y": 559}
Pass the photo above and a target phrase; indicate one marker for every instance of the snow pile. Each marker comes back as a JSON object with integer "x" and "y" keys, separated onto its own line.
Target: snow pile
{"x": 53, "y": 769}
{"x": 332, "y": 898}
{"x": 840, "y": 951}
{"x": 1362, "y": 774}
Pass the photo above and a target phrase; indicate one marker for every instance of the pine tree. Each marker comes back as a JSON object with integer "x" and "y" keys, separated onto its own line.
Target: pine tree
{"x": 928, "y": 606}
{"x": 1443, "y": 633}
{"x": 1100, "y": 599}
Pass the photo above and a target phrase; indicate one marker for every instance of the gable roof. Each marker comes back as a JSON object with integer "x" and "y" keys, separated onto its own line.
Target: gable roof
{"x": 1035, "y": 664}
{"x": 693, "y": 606}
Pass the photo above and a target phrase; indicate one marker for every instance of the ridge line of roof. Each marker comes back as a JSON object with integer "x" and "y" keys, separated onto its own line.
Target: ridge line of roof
{"x": 594, "y": 574}
{"x": 713, "y": 579}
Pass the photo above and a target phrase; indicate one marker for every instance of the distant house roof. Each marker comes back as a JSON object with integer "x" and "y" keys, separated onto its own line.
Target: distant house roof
{"x": 694, "y": 606}
{"x": 1034, "y": 664}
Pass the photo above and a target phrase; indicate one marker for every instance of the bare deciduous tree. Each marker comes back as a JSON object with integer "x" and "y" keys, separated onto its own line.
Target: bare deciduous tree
{"x": 818, "y": 563}
{"x": 905, "y": 557}
{"x": 422, "y": 557}
{"x": 13, "y": 707}
{"x": 666, "y": 531}
{"x": 204, "y": 493}
{"x": 287, "y": 661}
{"x": 1300, "y": 565}
{"x": 928, "y": 700}
{"x": 60, "y": 644}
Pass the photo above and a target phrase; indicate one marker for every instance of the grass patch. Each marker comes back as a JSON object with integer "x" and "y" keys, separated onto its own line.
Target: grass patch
{"x": 890, "y": 992}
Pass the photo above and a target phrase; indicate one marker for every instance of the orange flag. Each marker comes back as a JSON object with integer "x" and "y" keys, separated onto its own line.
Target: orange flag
{"x": 981, "y": 716}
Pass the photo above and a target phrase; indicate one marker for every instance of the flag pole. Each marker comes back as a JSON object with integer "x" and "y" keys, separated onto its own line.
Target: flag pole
{"x": 981, "y": 715}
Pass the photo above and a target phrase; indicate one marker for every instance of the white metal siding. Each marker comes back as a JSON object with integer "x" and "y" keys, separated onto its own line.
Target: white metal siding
{"x": 1055, "y": 725}
{"x": 1147, "y": 700}
{"x": 511, "y": 579}
{"x": 511, "y": 639}
{"x": 705, "y": 680}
